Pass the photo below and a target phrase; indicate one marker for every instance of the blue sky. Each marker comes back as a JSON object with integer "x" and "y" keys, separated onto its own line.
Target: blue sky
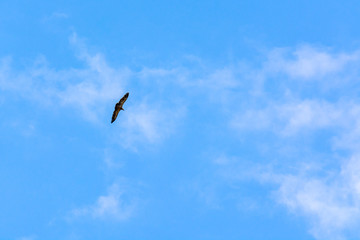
{"x": 242, "y": 120}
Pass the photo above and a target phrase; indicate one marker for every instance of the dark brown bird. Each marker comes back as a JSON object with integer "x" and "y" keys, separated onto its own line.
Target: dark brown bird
{"x": 118, "y": 107}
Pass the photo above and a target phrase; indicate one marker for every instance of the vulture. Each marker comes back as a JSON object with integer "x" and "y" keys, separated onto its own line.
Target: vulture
{"x": 118, "y": 107}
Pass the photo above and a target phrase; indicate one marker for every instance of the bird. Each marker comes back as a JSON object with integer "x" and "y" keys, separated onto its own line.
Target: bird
{"x": 119, "y": 106}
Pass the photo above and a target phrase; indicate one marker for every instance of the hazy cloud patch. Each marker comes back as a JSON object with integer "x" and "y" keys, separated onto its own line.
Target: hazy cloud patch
{"x": 306, "y": 62}
{"x": 330, "y": 202}
{"x": 112, "y": 206}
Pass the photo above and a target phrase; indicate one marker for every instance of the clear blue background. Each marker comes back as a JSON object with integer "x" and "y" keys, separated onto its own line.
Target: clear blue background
{"x": 195, "y": 175}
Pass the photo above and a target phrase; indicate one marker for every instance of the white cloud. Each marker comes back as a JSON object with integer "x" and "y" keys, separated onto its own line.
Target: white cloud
{"x": 307, "y": 62}
{"x": 292, "y": 117}
{"x": 281, "y": 109}
{"x": 93, "y": 90}
{"x": 87, "y": 90}
{"x": 328, "y": 198}
{"x": 113, "y": 206}
{"x": 147, "y": 122}
{"x": 330, "y": 202}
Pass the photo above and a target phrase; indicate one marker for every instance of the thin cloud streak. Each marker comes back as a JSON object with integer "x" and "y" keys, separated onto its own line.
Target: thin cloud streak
{"x": 295, "y": 117}
{"x": 112, "y": 206}
{"x": 307, "y": 62}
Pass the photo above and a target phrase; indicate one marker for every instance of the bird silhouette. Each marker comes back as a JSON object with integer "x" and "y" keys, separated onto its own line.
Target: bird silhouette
{"x": 118, "y": 107}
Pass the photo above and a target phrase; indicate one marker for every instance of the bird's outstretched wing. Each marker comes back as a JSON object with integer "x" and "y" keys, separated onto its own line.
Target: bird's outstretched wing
{"x": 118, "y": 107}
{"x": 123, "y": 99}
{"x": 115, "y": 113}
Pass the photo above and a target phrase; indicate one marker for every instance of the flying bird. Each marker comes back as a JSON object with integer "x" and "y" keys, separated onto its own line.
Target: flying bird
{"x": 118, "y": 107}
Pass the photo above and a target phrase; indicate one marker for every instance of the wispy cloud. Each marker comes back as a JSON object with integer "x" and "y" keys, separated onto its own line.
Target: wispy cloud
{"x": 85, "y": 89}
{"x": 299, "y": 116}
{"x": 330, "y": 202}
{"x": 149, "y": 123}
{"x": 92, "y": 89}
{"x": 328, "y": 199}
{"x": 307, "y": 62}
{"x": 286, "y": 107}
{"x": 278, "y": 97}
{"x": 112, "y": 206}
